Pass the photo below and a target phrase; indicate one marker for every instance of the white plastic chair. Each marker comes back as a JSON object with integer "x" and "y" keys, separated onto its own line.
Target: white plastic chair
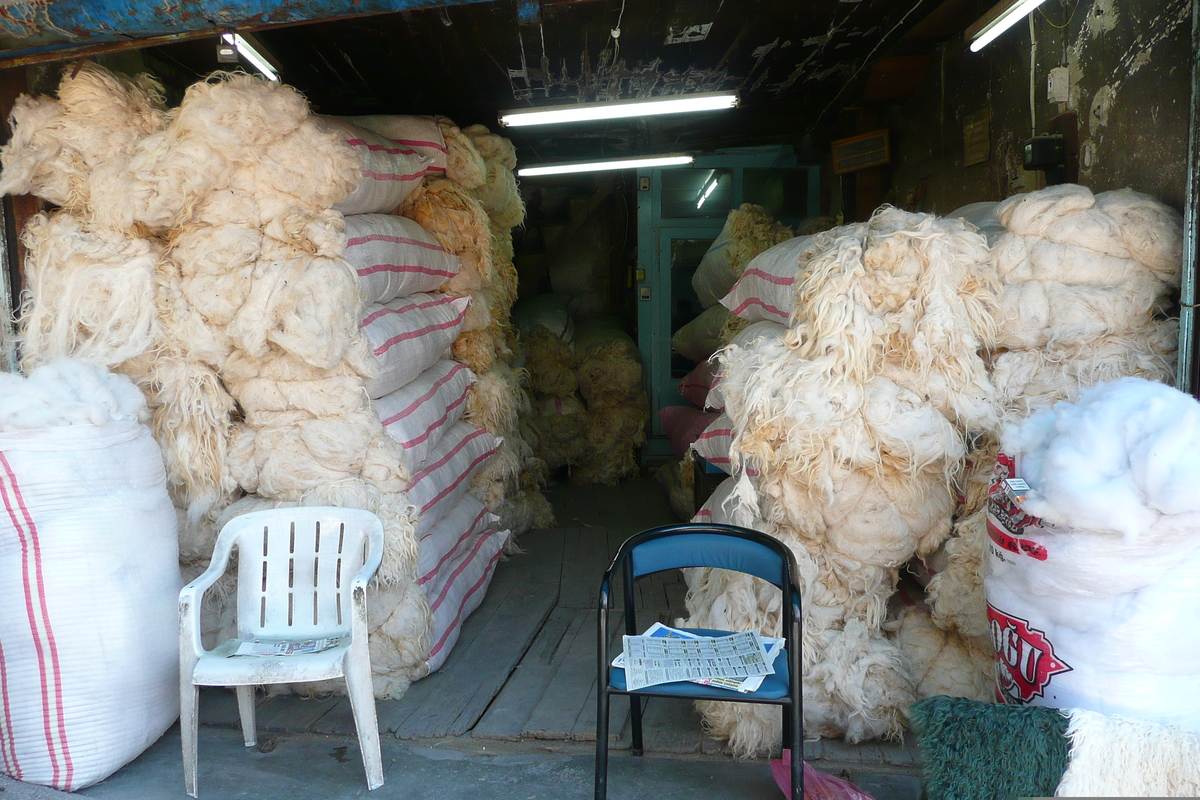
{"x": 302, "y": 574}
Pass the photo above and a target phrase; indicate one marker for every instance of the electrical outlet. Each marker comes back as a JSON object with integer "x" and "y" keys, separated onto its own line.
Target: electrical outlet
{"x": 1058, "y": 85}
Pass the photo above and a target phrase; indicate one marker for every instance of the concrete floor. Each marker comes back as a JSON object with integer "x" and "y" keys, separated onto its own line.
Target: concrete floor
{"x": 306, "y": 749}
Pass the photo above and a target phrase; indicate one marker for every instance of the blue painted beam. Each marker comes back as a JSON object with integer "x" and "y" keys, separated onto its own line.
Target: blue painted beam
{"x": 37, "y": 27}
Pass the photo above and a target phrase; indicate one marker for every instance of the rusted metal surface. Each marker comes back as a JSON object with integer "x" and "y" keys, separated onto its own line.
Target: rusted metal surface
{"x": 41, "y": 30}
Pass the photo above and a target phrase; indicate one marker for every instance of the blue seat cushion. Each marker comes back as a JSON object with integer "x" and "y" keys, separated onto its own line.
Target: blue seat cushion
{"x": 774, "y": 687}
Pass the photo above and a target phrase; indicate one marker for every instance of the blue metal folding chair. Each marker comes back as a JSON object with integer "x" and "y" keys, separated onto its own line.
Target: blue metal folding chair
{"x": 698, "y": 545}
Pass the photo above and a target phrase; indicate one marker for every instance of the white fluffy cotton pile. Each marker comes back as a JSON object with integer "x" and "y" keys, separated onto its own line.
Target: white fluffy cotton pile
{"x": 67, "y": 392}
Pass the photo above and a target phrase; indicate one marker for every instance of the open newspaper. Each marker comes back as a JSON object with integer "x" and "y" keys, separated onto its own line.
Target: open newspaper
{"x": 738, "y": 662}
{"x": 276, "y": 647}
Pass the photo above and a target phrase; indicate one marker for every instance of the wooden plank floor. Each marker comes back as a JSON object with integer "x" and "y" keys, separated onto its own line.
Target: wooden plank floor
{"x": 525, "y": 666}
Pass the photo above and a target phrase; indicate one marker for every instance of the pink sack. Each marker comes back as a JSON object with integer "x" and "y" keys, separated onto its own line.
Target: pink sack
{"x": 817, "y": 785}
{"x": 695, "y": 385}
{"x": 683, "y": 425}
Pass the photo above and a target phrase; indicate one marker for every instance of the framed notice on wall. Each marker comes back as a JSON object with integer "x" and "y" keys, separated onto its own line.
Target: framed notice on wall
{"x": 977, "y": 138}
{"x": 859, "y": 152}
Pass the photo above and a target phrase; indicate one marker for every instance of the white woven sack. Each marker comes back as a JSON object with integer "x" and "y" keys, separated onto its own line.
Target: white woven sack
{"x": 422, "y": 135}
{"x": 89, "y": 586}
{"x": 713, "y": 509}
{"x": 437, "y": 487}
{"x": 767, "y": 289}
{"x": 394, "y": 257}
{"x": 409, "y": 335}
{"x": 713, "y": 276}
{"x": 419, "y": 414}
{"x": 716, "y": 442}
{"x": 458, "y": 587}
{"x": 390, "y": 172}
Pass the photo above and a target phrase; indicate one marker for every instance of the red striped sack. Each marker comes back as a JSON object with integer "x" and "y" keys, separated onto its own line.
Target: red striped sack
{"x": 447, "y": 473}
{"x": 89, "y": 587}
{"x": 468, "y": 547}
{"x": 767, "y": 288}
{"x": 419, "y": 414}
{"x": 421, "y": 134}
{"x": 715, "y": 443}
{"x": 409, "y": 335}
{"x": 390, "y": 171}
{"x": 394, "y": 256}
{"x": 713, "y": 510}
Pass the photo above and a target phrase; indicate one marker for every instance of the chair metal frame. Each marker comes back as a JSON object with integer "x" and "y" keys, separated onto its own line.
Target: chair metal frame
{"x": 793, "y": 704}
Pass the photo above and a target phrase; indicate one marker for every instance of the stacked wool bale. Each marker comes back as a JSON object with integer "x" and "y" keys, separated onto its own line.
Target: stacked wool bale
{"x": 610, "y": 382}
{"x": 1085, "y": 281}
{"x": 202, "y": 250}
{"x": 559, "y": 423}
{"x": 847, "y": 429}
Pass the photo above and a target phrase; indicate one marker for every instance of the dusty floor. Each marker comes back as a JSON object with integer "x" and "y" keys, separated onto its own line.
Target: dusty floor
{"x": 511, "y": 713}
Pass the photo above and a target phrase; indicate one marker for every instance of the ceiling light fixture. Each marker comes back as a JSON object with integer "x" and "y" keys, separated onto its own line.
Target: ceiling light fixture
{"x": 250, "y": 54}
{"x": 995, "y": 22}
{"x": 674, "y": 160}
{"x": 585, "y": 112}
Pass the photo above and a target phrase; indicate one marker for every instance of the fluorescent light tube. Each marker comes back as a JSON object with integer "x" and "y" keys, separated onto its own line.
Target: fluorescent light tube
{"x": 251, "y": 55}
{"x": 600, "y": 166}
{"x": 712, "y": 187}
{"x": 998, "y": 20}
{"x": 684, "y": 104}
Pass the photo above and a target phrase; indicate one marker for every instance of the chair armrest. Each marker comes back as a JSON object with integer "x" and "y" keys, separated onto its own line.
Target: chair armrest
{"x": 358, "y": 590}
{"x": 192, "y": 596}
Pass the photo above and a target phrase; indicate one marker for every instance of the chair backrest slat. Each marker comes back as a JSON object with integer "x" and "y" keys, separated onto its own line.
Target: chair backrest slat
{"x": 295, "y": 567}
{"x": 701, "y": 549}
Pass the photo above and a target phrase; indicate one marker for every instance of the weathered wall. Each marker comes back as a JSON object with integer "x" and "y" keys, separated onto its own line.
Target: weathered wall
{"x": 1130, "y": 85}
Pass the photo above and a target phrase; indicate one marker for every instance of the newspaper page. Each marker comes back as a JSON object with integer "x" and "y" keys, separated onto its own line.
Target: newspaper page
{"x": 651, "y": 660}
{"x": 744, "y": 685}
{"x": 264, "y": 647}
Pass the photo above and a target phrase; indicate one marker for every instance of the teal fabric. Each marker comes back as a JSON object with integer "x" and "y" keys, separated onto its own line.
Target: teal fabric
{"x": 774, "y": 687}
{"x": 708, "y": 550}
{"x": 988, "y": 751}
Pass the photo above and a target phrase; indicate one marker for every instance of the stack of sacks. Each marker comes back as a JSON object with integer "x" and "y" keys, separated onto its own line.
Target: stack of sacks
{"x": 847, "y": 430}
{"x": 610, "y": 381}
{"x": 748, "y": 231}
{"x": 1085, "y": 281}
{"x": 684, "y": 425}
{"x": 222, "y": 236}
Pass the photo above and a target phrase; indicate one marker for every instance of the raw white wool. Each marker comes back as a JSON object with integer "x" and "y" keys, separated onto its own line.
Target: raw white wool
{"x": 1022, "y": 258}
{"x": 327, "y": 396}
{"x": 944, "y": 662}
{"x": 501, "y": 475}
{"x": 464, "y": 164}
{"x": 1033, "y": 213}
{"x": 1035, "y": 314}
{"x": 1028, "y": 380}
{"x": 57, "y": 145}
{"x": 409, "y": 335}
{"x": 448, "y": 471}
{"x": 318, "y": 168}
{"x": 420, "y": 413}
{"x": 561, "y": 427}
{"x": 491, "y": 146}
{"x": 1114, "y": 756}
{"x": 524, "y": 511}
{"x": 748, "y": 231}
{"x": 421, "y": 134}
{"x": 306, "y": 306}
{"x": 1152, "y": 232}
{"x": 459, "y": 223}
{"x": 68, "y": 392}
{"x": 766, "y": 289}
{"x": 498, "y": 400}
{"x": 610, "y": 368}
{"x": 394, "y": 257}
{"x": 390, "y": 172}
{"x": 401, "y": 629}
{"x": 1122, "y": 460}
{"x": 983, "y": 217}
{"x": 216, "y": 265}
{"x": 90, "y": 293}
{"x": 955, "y": 595}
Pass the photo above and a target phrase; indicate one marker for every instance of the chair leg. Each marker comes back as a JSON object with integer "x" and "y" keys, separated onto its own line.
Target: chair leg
{"x": 362, "y": 703}
{"x": 189, "y": 730}
{"x": 245, "y": 698}
{"x": 796, "y": 725}
{"x": 635, "y": 724}
{"x": 601, "y": 744}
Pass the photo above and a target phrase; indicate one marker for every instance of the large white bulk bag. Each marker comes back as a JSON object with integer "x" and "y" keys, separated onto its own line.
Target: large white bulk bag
{"x": 420, "y": 134}
{"x": 394, "y": 256}
{"x": 1093, "y": 584}
{"x": 446, "y": 476}
{"x": 420, "y": 413}
{"x": 390, "y": 171}
{"x": 89, "y": 585}
{"x": 766, "y": 290}
{"x": 714, "y": 276}
{"x": 409, "y": 335}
